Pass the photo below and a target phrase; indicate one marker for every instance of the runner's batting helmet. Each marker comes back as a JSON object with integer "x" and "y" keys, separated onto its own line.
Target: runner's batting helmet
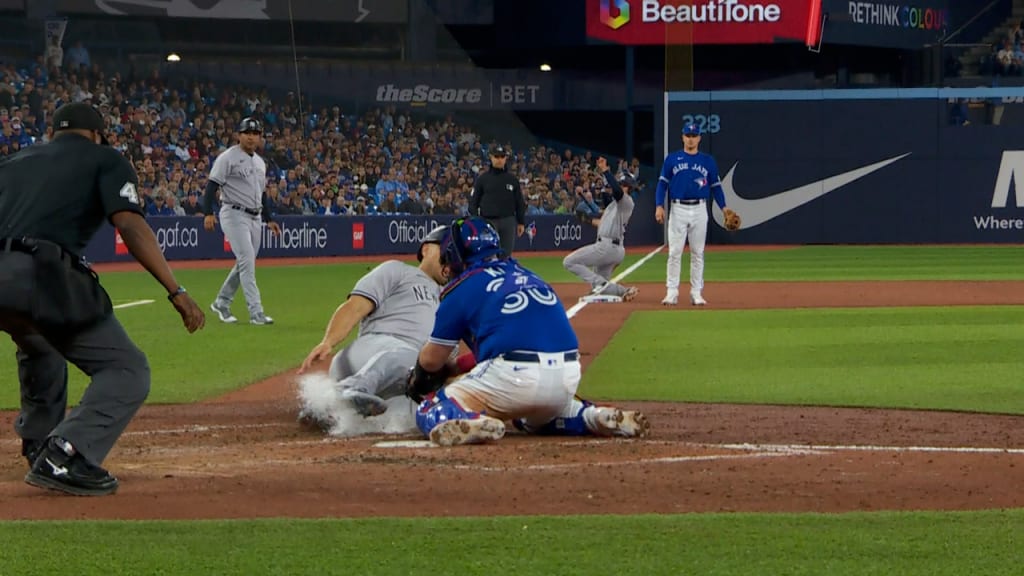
{"x": 434, "y": 237}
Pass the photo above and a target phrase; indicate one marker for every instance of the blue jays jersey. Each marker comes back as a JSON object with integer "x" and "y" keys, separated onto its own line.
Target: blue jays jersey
{"x": 689, "y": 177}
{"x": 501, "y": 307}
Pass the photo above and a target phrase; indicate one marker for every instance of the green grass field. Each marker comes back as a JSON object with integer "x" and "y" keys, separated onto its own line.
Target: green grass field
{"x": 963, "y": 358}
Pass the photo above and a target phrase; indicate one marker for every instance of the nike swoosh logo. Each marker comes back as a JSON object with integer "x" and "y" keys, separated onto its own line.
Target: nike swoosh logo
{"x": 57, "y": 470}
{"x": 760, "y": 210}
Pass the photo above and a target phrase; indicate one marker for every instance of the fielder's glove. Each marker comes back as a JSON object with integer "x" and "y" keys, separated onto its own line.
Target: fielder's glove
{"x": 422, "y": 383}
{"x": 584, "y": 216}
{"x": 732, "y": 219}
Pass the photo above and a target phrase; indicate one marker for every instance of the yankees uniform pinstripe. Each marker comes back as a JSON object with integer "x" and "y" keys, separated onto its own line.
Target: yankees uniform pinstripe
{"x": 242, "y": 179}
{"x": 688, "y": 179}
{"x": 595, "y": 263}
{"x": 377, "y": 362}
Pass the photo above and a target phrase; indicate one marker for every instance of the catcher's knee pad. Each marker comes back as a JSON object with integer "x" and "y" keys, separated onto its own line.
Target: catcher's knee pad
{"x": 440, "y": 408}
{"x": 561, "y": 426}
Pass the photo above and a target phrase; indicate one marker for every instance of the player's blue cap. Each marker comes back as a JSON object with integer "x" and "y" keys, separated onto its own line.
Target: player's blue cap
{"x": 691, "y": 128}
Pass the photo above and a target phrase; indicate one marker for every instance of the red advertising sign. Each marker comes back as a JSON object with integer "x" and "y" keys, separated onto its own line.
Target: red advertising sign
{"x": 635, "y": 22}
{"x": 119, "y": 246}
{"x": 358, "y": 236}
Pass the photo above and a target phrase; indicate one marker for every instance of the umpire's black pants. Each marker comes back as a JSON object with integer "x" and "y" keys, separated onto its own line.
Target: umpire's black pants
{"x": 506, "y": 227}
{"x": 118, "y": 369}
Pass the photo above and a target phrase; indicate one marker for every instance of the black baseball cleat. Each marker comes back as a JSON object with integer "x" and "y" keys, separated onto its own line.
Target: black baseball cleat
{"x": 60, "y": 467}
{"x": 30, "y": 449}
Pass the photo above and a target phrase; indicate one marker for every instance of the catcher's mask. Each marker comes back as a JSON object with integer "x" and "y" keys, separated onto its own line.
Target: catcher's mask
{"x": 434, "y": 237}
{"x": 469, "y": 241}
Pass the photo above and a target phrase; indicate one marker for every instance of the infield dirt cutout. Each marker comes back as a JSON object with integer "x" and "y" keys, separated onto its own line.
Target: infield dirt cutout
{"x": 243, "y": 455}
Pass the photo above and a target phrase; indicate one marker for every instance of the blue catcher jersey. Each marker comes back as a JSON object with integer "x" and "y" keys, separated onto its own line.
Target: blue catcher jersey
{"x": 689, "y": 177}
{"x": 501, "y": 307}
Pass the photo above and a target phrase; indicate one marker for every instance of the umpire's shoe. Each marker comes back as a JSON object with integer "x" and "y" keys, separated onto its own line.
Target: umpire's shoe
{"x": 60, "y": 467}
{"x": 30, "y": 449}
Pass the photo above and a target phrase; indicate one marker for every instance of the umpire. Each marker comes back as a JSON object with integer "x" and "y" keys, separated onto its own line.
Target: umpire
{"x": 53, "y": 199}
{"x": 499, "y": 200}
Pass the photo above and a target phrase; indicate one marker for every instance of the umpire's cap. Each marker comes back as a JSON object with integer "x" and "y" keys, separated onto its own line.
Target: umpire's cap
{"x": 434, "y": 237}
{"x": 250, "y": 125}
{"x": 79, "y": 116}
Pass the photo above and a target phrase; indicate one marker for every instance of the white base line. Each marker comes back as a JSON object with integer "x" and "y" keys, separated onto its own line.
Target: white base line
{"x": 631, "y": 462}
{"x": 133, "y": 303}
{"x": 575, "y": 309}
{"x": 790, "y": 448}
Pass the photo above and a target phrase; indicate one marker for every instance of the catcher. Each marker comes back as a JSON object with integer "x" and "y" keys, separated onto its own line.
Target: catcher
{"x": 595, "y": 263}
{"x": 528, "y": 353}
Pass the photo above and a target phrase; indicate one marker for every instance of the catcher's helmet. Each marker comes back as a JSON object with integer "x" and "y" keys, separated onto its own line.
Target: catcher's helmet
{"x": 469, "y": 242}
{"x": 250, "y": 125}
{"x": 436, "y": 236}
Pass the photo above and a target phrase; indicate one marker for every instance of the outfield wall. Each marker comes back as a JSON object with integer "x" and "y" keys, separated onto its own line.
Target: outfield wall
{"x": 863, "y": 166}
{"x": 183, "y": 238}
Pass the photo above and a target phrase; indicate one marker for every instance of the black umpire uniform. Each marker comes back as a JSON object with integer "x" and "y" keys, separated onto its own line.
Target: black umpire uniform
{"x": 53, "y": 199}
{"x": 498, "y": 199}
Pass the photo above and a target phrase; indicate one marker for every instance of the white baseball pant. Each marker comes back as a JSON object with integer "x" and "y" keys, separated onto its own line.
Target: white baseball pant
{"x": 686, "y": 223}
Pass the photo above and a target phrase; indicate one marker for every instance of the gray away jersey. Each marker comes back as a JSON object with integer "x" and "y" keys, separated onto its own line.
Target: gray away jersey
{"x": 242, "y": 178}
{"x": 616, "y": 216}
{"x": 405, "y": 301}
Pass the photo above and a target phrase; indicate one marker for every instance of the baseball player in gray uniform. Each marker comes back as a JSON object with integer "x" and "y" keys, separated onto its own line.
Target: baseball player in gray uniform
{"x": 394, "y": 305}
{"x": 595, "y": 263}
{"x": 241, "y": 176}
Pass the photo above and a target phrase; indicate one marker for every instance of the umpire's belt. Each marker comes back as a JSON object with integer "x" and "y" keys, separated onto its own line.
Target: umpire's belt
{"x": 16, "y": 245}
{"x": 534, "y": 357}
{"x": 612, "y": 240}
{"x": 248, "y": 211}
{"x": 688, "y": 201}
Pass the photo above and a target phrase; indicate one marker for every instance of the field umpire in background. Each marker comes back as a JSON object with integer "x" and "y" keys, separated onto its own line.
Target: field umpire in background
{"x": 53, "y": 199}
{"x": 499, "y": 200}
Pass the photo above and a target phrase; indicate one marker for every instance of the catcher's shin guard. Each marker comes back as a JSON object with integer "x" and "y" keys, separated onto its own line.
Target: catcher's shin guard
{"x": 438, "y": 409}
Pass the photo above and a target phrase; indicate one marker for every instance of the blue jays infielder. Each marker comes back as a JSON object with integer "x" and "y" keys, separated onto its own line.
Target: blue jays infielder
{"x": 528, "y": 365}
{"x": 689, "y": 176}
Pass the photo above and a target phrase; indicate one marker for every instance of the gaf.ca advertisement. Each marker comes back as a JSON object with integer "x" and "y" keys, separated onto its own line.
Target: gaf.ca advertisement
{"x": 636, "y": 22}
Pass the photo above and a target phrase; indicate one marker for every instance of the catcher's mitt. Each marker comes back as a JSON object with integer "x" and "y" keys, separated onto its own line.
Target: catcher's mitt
{"x": 421, "y": 382}
{"x": 732, "y": 219}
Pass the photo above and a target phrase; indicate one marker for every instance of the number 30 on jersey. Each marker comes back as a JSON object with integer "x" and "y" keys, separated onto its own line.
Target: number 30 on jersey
{"x": 708, "y": 123}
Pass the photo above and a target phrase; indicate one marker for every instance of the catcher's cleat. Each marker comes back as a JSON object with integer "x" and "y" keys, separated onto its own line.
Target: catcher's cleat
{"x": 475, "y": 431}
{"x": 697, "y": 300}
{"x": 30, "y": 449}
{"x": 625, "y": 423}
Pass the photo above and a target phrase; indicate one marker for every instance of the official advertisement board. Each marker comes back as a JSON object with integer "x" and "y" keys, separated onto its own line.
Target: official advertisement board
{"x": 184, "y": 238}
{"x": 859, "y": 166}
{"x": 369, "y": 11}
{"x": 907, "y": 24}
{"x": 638, "y": 22}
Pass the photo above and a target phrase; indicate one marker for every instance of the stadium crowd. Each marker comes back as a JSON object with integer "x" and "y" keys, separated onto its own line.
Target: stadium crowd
{"x": 327, "y": 162}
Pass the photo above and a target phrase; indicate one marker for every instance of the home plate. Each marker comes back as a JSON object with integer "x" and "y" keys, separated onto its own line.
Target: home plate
{"x": 600, "y": 298}
{"x": 405, "y": 444}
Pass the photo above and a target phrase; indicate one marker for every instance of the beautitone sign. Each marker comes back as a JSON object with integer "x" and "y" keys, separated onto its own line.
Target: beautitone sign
{"x": 635, "y": 22}
{"x": 906, "y": 24}
{"x": 378, "y": 11}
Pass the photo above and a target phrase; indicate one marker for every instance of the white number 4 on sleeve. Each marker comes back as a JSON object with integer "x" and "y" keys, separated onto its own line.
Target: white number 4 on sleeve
{"x": 128, "y": 192}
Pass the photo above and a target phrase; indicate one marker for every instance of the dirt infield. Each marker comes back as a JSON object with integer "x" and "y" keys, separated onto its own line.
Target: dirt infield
{"x": 243, "y": 455}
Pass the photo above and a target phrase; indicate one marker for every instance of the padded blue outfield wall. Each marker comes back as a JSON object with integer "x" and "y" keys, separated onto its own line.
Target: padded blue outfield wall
{"x": 863, "y": 166}
{"x": 183, "y": 238}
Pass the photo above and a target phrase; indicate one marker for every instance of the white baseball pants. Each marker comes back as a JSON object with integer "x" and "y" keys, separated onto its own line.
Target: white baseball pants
{"x": 686, "y": 223}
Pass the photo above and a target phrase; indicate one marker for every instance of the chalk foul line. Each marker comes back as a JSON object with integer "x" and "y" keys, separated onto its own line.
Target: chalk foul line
{"x": 133, "y": 304}
{"x": 575, "y": 308}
